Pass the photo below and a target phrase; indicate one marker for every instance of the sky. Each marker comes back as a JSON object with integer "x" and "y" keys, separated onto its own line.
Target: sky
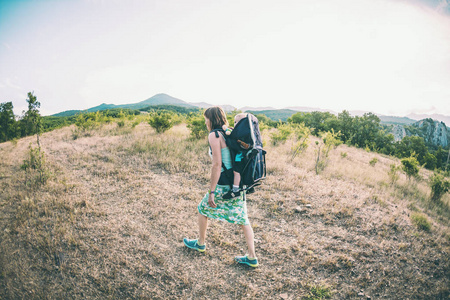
{"x": 385, "y": 56}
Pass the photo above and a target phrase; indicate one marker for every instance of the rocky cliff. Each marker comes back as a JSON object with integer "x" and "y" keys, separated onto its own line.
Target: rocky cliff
{"x": 433, "y": 132}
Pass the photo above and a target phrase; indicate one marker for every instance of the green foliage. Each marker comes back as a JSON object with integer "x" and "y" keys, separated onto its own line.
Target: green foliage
{"x": 172, "y": 108}
{"x": 87, "y": 122}
{"x": 135, "y": 123}
{"x": 430, "y": 161}
{"x": 373, "y": 161}
{"x": 197, "y": 126}
{"x": 329, "y": 140}
{"x": 393, "y": 173}
{"x": 420, "y": 221}
{"x": 344, "y": 154}
{"x": 35, "y": 167}
{"x": 265, "y": 122}
{"x": 410, "y": 166}
{"x": 302, "y": 134}
{"x": 8, "y": 124}
{"x": 317, "y": 292}
{"x": 412, "y": 145}
{"x": 439, "y": 186}
{"x": 161, "y": 121}
{"x": 317, "y": 121}
{"x": 277, "y": 115}
{"x": 281, "y": 134}
{"x": 31, "y": 122}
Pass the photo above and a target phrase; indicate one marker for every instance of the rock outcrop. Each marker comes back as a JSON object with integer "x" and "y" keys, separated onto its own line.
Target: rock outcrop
{"x": 433, "y": 132}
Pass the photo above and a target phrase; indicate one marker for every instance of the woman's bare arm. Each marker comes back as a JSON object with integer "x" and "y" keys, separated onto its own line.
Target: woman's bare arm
{"x": 216, "y": 168}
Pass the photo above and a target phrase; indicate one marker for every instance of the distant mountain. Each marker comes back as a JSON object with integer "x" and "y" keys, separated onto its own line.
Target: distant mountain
{"x": 310, "y": 109}
{"x": 249, "y": 108}
{"x": 438, "y": 117}
{"x": 158, "y": 99}
{"x": 395, "y": 120}
{"x": 226, "y": 108}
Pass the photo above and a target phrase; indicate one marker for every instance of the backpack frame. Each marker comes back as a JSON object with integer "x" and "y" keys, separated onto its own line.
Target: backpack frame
{"x": 245, "y": 138}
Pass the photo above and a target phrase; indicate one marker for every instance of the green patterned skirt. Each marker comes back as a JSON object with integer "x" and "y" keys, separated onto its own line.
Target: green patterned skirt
{"x": 230, "y": 210}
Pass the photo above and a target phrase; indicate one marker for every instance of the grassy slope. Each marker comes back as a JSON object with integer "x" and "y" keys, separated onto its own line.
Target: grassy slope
{"x": 110, "y": 223}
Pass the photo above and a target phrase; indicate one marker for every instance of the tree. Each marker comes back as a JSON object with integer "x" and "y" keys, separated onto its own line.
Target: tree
{"x": 412, "y": 144}
{"x": 345, "y": 121}
{"x": 8, "y": 124}
{"x": 31, "y": 122}
{"x": 365, "y": 130}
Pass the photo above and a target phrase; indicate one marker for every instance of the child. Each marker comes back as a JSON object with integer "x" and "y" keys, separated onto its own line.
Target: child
{"x": 237, "y": 166}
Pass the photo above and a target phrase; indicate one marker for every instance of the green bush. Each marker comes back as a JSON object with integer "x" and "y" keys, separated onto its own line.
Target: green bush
{"x": 161, "y": 121}
{"x": 393, "y": 175}
{"x": 197, "y": 126}
{"x": 373, "y": 161}
{"x": 87, "y": 122}
{"x": 35, "y": 167}
{"x": 439, "y": 186}
{"x": 281, "y": 134}
{"x": 302, "y": 135}
{"x": 410, "y": 166}
{"x": 344, "y": 154}
{"x": 330, "y": 140}
{"x": 421, "y": 221}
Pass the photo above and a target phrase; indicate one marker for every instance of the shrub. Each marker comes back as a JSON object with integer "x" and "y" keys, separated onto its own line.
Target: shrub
{"x": 196, "y": 124}
{"x": 344, "y": 154}
{"x": 410, "y": 166}
{"x": 302, "y": 134}
{"x": 421, "y": 221}
{"x": 35, "y": 167}
{"x": 89, "y": 121}
{"x": 330, "y": 140}
{"x": 135, "y": 123}
{"x": 121, "y": 123}
{"x": 373, "y": 161}
{"x": 393, "y": 175}
{"x": 439, "y": 186}
{"x": 281, "y": 134}
{"x": 161, "y": 121}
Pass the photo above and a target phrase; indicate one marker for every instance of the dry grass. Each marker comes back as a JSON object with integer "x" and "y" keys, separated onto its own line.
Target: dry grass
{"x": 110, "y": 222}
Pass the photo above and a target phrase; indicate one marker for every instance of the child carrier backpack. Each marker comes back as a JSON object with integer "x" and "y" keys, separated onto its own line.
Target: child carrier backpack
{"x": 246, "y": 138}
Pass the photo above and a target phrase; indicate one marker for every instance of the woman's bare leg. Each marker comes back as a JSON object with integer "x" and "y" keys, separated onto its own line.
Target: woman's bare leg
{"x": 249, "y": 238}
{"x": 202, "y": 226}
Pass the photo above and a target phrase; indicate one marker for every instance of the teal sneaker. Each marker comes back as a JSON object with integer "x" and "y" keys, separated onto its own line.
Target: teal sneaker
{"x": 246, "y": 261}
{"x": 193, "y": 244}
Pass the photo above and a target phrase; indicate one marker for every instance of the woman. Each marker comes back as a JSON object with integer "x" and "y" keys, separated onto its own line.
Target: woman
{"x": 213, "y": 205}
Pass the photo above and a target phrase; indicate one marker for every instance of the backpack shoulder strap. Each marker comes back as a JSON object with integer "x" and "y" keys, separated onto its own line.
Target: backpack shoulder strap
{"x": 219, "y": 131}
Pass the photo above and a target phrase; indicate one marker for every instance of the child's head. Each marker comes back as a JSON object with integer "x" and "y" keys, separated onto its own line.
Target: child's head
{"x": 239, "y": 117}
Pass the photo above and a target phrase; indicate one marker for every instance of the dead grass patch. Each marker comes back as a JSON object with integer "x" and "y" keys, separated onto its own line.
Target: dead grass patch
{"x": 110, "y": 224}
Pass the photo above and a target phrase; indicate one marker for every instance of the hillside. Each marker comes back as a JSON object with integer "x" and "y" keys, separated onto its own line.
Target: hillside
{"x": 275, "y": 115}
{"x": 110, "y": 221}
